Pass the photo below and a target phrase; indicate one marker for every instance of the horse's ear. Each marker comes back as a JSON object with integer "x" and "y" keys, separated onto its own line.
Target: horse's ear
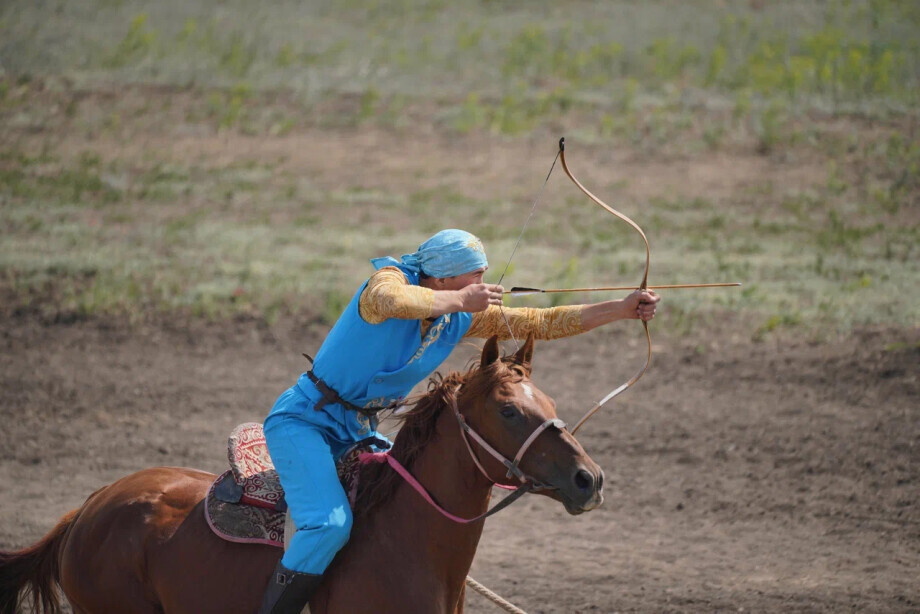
{"x": 524, "y": 355}
{"x": 489, "y": 352}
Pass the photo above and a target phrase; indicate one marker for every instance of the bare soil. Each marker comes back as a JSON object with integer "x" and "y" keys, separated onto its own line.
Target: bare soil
{"x": 742, "y": 476}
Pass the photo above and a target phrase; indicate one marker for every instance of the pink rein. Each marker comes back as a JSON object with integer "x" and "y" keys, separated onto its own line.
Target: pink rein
{"x": 366, "y": 458}
{"x": 527, "y": 483}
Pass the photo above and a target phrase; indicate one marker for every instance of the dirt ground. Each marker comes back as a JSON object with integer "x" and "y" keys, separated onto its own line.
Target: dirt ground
{"x": 742, "y": 476}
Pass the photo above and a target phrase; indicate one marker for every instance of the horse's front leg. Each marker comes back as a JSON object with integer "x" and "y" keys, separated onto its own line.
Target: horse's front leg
{"x": 461, "y": 599}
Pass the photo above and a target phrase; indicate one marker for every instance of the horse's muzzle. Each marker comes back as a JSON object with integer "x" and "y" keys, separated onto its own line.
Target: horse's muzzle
{"x": 585, "y": 492}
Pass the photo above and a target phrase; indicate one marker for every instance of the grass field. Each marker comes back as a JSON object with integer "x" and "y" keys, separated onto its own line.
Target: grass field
{"x": 228, "y": 158}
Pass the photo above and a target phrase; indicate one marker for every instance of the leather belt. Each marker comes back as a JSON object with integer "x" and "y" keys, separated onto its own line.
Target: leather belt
{"x": 331, "y": 396}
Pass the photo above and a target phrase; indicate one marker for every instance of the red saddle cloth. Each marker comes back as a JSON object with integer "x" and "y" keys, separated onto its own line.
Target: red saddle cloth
{"x": 246, "y": 503}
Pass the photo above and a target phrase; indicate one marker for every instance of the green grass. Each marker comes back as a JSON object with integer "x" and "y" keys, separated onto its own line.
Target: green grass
{"x": 842, "y": 53}
{"x": 835, "y": 85}
{"x": 172, "y": 239}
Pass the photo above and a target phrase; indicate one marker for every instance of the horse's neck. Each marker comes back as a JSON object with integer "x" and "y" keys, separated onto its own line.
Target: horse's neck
{"x": 448, "y": 472}
{"x": 418, "y": 558}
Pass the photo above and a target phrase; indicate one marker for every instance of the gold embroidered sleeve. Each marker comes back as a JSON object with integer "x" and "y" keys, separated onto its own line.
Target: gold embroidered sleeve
{"x": 551, "y": 323}
{"x": 389, "y": 295}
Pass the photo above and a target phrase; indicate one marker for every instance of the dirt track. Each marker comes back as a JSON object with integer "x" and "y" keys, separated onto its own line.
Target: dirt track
{"x": 743, "y": 476}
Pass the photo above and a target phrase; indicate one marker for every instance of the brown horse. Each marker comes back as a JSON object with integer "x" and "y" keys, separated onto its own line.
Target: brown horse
{"x": 142, "y": 544}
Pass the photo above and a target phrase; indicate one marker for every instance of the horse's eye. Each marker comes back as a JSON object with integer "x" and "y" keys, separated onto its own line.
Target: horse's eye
{"x": 509, "y": 411}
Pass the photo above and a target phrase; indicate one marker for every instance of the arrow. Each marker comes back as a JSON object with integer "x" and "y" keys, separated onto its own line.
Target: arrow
{"x": 519, "y": 291}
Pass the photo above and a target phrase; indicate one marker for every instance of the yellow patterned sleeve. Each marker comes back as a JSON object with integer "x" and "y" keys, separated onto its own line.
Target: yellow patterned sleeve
{"x": 390, "y": 295}
{"x": 551, "y": 323}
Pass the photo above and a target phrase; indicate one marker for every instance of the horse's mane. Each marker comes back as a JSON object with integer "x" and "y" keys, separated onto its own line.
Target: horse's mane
{"x": 418, "y": 424}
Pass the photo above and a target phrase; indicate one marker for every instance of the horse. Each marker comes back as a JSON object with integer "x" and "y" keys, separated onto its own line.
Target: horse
{"x": 141, "y": 545}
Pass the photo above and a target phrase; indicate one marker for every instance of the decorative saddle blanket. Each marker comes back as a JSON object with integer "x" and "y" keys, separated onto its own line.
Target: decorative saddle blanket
{"x": 246, "y": 503}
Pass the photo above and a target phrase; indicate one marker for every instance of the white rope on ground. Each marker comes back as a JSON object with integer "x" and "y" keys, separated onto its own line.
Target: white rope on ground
{"x": 488, "y": 594}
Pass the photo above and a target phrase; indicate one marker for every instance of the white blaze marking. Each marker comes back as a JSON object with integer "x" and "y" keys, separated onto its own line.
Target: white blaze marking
{"x": 528, "y": 391}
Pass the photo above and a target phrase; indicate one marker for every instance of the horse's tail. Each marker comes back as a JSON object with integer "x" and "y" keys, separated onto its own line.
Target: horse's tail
{"x": 34, "y": 572}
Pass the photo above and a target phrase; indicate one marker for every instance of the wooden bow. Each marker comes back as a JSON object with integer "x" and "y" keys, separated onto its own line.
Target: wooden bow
{"x": 643, "y": 285}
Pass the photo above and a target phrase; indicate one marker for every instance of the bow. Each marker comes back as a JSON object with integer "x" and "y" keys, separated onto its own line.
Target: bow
{"x": 642, "y": 286}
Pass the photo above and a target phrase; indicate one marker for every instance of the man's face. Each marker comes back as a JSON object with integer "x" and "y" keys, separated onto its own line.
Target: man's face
{"x": 462, "y": 281}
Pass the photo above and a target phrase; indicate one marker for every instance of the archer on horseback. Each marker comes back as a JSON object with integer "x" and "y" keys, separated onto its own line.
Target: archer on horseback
{"x": 400, "y": 326}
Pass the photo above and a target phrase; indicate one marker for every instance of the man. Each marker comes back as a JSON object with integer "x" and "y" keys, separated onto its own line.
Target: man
{"x": 399, "y": 327}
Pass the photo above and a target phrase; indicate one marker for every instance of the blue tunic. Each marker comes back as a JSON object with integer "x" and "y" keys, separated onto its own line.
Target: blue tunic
{"x": 369, "y": 365}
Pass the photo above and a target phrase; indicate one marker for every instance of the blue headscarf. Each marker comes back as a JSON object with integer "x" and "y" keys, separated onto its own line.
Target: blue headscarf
{"x": 449, "y": 253}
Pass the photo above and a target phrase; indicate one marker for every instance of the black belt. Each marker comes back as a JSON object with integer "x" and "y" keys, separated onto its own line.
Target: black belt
{"x": 331, "y": 396}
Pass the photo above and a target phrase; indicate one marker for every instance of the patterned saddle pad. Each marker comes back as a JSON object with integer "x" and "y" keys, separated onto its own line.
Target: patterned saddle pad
{"x": 246, "y": 503}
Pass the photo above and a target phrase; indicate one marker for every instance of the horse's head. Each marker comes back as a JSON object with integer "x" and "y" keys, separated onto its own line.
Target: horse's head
{"x": 500, "y": 403}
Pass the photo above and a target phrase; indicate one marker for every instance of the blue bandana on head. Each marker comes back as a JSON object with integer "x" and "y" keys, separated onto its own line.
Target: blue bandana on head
{"x": 449, "y": 253}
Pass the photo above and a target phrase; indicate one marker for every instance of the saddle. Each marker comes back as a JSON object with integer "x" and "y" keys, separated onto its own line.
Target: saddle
{"x": 246, "y": 502}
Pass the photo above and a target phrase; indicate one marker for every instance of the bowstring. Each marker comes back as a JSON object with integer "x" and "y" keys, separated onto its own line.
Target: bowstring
{"x": 518, "y": 242}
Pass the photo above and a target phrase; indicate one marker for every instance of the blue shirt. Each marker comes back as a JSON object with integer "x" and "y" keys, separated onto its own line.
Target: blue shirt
{"x": 373, "y": 365}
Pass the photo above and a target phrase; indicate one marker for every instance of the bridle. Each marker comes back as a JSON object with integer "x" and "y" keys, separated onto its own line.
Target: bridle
{"x": 512, "y": 466}
{"x": 528, "y": 483}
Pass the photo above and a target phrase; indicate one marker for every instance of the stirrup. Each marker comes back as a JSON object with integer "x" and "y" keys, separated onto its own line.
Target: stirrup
{"x": 288, "y": 592}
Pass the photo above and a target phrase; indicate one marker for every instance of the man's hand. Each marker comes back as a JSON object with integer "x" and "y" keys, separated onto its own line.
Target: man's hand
{"x": 478, "y": 297}
{"x": 641, "y": 305}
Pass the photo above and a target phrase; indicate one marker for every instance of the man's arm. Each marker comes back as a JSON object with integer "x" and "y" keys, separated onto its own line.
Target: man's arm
{"x": 389, "y": 295}
{"x": 640, "y": 305}
{"x": 558, "y": 322}
{"x": 473, "y": 298}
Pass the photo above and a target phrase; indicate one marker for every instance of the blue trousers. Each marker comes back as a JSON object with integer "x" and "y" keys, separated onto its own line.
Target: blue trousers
{"x": 304, "y": 445}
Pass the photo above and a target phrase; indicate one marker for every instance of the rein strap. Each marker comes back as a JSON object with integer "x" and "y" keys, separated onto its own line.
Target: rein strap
{"x": 386, "y": 457}
{"x": 528, "y": 484}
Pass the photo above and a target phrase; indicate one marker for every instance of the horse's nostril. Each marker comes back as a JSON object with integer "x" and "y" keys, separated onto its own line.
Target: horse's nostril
{"x": 600, "y": 481}
{"x": 584, "y": 480}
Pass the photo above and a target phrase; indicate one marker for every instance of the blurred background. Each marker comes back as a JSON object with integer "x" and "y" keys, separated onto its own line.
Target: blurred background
{"x": 190, "y": 192}
{"x": 227, "y": 157}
